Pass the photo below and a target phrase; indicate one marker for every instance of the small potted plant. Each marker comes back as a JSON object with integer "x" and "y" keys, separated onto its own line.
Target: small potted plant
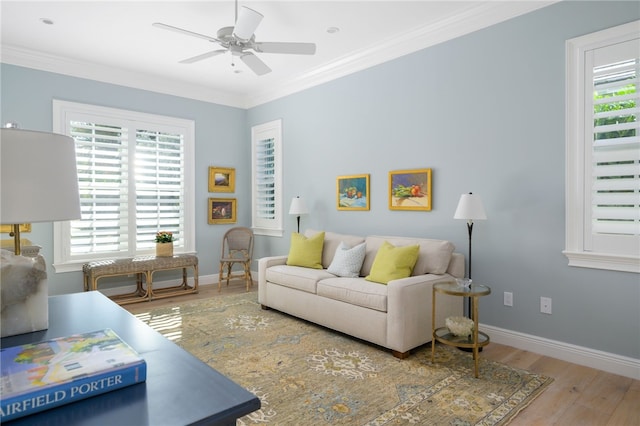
{"x": 164, "y": 244}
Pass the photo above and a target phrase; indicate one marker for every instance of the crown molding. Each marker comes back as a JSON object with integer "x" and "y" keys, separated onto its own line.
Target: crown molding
{"x": 477, "y": 16}
{"x": 98, "y": 72}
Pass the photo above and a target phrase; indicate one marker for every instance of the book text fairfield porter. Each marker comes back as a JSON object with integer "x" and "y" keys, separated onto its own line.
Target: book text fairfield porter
{"x": 56, "y": 397}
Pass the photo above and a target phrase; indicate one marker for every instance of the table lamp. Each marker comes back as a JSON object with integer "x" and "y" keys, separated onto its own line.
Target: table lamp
{"x": 39, "y": 183}
{"x": 298, "y": 207}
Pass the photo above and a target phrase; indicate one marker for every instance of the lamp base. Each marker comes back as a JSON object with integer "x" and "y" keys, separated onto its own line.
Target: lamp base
{"x": 24, "y": 293}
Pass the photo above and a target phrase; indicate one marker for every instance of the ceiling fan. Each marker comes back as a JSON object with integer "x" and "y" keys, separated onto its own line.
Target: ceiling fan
{"x": 240, "y": 40}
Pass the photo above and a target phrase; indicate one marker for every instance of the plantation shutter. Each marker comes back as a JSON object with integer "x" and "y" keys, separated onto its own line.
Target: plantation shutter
{"x": 266, "y": 175}
{"x": 102, "y": 162}
{"x": 265, "y": 179}
{"x": 614, "y": 191}
{"x": 159, "y": 159}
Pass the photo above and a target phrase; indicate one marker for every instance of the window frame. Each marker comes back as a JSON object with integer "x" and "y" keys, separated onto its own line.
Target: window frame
{"x": 261, "y": 226}
{"x": 63, "y": 113}
{"x": 578, "y": 153}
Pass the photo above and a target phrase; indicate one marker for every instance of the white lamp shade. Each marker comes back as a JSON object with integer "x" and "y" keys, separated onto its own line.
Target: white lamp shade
{"x": 39, "y": 180}
{"x": 298, "y": 207}
{"x": 470, "y": 208}
{"x": 248, "y": 21}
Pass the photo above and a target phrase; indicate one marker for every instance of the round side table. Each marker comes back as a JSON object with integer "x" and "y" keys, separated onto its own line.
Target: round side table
{"x": 477, "y": 339}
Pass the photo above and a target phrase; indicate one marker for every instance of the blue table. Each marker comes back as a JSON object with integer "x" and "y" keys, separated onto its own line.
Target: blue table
{"x": 180, "y": 389}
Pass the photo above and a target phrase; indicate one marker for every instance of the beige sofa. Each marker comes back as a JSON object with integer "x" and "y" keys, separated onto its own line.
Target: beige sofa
{"x": 396, "y": 316}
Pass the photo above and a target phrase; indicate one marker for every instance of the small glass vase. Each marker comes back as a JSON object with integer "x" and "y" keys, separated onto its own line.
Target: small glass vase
{"x": 164, "y": 249}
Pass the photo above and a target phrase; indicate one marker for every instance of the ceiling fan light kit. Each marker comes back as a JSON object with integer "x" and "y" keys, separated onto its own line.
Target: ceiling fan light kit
{"x": 240, "y": 39}
{"x": 247, "y": 22}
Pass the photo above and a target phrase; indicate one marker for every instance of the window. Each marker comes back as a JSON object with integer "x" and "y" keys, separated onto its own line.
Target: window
{"x": 266, "y": 165}
{"x": 135, "y": 177}
{"x": 603, "y": 150}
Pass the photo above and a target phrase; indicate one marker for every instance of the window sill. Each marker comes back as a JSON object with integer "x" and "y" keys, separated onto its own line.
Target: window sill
{"x": 268, "y": 232}
{"x": 603, "y": 261}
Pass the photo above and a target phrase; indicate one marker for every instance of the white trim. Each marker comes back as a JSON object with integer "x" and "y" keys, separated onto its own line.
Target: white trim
{"x": 262, "y": 226}
{"x": 605, "y": 361}
{"x": 72, "y": 67}
{"x": 476, "y": 17}
{"x": 603, "y": 261}
{"x": 479, "y": 15}
{"x": 61, "y": 111}
{"x": 576, "y": 216}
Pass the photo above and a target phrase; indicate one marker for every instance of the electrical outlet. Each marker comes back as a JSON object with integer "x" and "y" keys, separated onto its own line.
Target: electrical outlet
{"x": 545, "y": 305}
{"x": 508, "y": 298}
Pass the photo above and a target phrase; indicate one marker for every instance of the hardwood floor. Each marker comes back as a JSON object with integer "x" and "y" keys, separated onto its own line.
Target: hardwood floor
{"x": 578, "y": 395}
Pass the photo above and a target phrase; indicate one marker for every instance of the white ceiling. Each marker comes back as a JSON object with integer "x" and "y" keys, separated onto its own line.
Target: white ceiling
{"x": 115, "y": 42}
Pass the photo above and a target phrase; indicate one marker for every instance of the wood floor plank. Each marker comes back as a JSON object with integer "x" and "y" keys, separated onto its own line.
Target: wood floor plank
{"x": 628, "y": 411}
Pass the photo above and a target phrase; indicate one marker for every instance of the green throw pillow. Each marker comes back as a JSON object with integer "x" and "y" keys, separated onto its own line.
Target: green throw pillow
{"x": 305, "y": 251}
{"x": 392, "y": 263}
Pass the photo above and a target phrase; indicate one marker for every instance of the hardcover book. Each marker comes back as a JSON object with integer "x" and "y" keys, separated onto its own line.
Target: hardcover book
{"x": 44, "y": 375}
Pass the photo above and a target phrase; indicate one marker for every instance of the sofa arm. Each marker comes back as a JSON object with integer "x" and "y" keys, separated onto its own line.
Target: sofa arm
{"x": 409, "y": 302}
{"x": 263, "y": 264}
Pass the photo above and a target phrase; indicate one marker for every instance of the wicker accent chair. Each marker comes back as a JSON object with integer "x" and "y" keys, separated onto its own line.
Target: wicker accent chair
{"x": 237, "y": 248}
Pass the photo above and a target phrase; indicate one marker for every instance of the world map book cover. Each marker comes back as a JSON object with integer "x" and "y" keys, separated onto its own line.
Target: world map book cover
{"x": 40, "y": 376}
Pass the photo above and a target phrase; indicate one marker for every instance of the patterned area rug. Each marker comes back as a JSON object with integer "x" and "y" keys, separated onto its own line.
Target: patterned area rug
{"x": 308, "y": 375}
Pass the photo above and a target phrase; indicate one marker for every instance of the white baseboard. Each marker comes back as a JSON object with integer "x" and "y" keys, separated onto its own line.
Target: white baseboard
{"x": 611, "y": 363}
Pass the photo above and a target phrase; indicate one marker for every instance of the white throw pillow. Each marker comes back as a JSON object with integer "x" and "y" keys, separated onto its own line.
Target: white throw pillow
{"x": 347, "y": 261}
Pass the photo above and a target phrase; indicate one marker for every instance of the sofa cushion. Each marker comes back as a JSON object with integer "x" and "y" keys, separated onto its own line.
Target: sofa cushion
{"x": 306, "y": 252}
{"x": 392, "y": 263}
{"x": 331, "y": 242}
{"x": 297, "y": 277}
{"x": 355, "y": 291}
{"x": 434, "y": 256}
{"x": 347, "y": 261}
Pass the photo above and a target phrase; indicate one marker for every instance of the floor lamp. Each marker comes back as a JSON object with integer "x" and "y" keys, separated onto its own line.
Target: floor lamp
{"x": 298, "y": 208}
{"x": 470, "y": 208}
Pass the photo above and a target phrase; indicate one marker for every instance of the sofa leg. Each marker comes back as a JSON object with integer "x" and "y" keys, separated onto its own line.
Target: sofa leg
{"x": 265, "y": 307}
{"x": 401, "y": 355}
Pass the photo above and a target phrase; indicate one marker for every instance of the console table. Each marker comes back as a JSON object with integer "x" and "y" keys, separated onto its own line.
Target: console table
{"x": 143, "y": 267}
{"x": 180, "y": 389}
{"x": 477, "y": 339}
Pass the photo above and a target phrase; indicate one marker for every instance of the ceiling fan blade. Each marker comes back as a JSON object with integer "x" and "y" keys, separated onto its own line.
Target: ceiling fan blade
{"x": 203, "y": 56}
{"x": 256, "y": 65}
{"x": 291, "y": 48}
{"x": 246, "y": 24}
{"x": 185, "y": 32}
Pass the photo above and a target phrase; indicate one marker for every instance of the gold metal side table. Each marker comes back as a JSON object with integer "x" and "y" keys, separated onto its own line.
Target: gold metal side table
{"x": 477, "y": 339}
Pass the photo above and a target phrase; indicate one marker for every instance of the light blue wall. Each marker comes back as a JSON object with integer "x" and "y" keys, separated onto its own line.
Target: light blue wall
{"x": 487, "y": 113}
{"x": 484, "y": 111}
{"x": 221, "y": 140}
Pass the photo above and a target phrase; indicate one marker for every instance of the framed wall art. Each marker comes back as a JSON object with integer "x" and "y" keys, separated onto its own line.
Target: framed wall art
{"x": 410, "y": 189}
{"x": 352, "y": 192}
{"x": 222, "y": 179}
{"x": 222, "y": 210}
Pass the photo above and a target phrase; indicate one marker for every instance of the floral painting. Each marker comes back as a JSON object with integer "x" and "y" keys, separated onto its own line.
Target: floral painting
{"x": 410, "y": 189}
{"x": 353, "y": 192}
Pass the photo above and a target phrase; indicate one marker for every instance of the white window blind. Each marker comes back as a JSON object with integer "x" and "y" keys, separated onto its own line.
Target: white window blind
{"x": 159, "y": 186}
{"x": 615, "y": 154}
{"x": 266, "y": 149}
{"x": 603, "y": 150}
{"x": 135, "y": 174}
{"x": 265, "y": 179}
